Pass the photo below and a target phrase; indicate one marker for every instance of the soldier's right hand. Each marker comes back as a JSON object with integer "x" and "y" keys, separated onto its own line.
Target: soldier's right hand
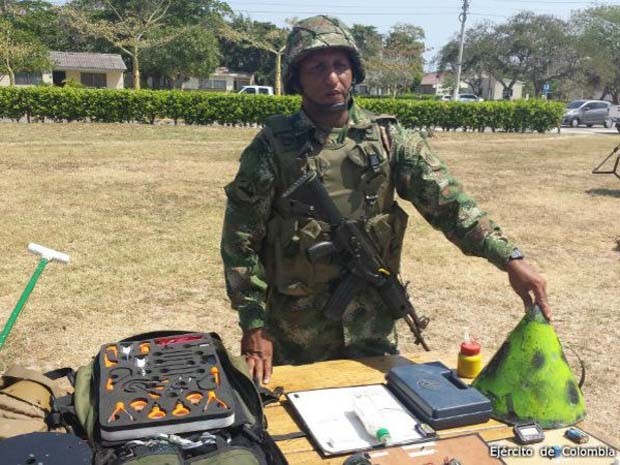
{"x": 257, "y": 349}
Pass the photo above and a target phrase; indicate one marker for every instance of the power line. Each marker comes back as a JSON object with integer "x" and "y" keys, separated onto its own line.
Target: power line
{"x": 340, "y": 5}
{"x": 289, "y": 12}
{"x": 413, "y": 15}
{"x": 557, "y": 2}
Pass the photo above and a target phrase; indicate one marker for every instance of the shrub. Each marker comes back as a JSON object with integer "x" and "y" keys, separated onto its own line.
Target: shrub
{"x": 149, "y": 106}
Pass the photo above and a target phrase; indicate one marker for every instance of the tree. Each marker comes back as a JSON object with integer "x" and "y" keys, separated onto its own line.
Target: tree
{"x": 599, "y": 42}
{"x": 129, "y": 25}
{"x": 368, "y": 40}
{"x": 191, "y": 53}
{"x": 536, "y": 48}
{"x": 398, "y": 66}
{"x": 477, "y": 48}
{"x": 208, "y": 13}
{"x": 248, "y": 34}
{"x": 20, "y": 51}
{"x": 37, "y": 17}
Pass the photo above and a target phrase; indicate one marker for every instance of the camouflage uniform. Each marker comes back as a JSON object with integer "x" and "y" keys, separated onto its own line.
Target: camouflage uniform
{"x": 268, "y": 276}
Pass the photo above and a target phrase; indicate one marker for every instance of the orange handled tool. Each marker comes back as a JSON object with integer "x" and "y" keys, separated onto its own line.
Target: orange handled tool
{"x": 138, "y": 404}
{"x": 180, "y": 410}
{"x": 212, "y": 397}
{"x": 216, "y": 375}
{"x": 107, "y": 360}
{"x": 118, "y": 409}
{"x": 194, "y": 398}
{"x": 109, "y": 385}
{"x": 156, "y": 413}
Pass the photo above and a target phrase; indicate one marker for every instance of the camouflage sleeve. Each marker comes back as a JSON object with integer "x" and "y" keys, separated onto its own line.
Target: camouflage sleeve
{"x": 423, "y": 179}
{"x": 248, "y": 207}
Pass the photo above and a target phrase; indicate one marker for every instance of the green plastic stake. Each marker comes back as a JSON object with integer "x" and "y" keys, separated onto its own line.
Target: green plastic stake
{"x": 47, "y": 255}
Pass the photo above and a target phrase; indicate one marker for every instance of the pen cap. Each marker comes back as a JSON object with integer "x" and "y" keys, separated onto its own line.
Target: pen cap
{"x": 383, "y": 435}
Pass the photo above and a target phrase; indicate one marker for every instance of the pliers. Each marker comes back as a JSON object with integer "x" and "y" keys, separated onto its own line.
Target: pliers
{"x": 212, "y": 397}
{"x": 118, "y": 408}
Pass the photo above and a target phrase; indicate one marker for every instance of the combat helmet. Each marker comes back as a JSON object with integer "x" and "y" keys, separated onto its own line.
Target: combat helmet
{"x": 316, "y": 33}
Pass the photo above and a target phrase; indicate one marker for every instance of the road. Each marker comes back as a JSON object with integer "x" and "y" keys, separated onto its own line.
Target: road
{"x": 585, "y": 130}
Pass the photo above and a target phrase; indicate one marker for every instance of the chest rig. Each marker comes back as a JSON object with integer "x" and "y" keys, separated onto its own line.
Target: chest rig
{"x": 354, "y": 165}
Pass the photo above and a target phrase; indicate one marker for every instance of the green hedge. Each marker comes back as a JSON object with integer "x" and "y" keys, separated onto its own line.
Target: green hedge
{"x": 148, "y": 106}
{"x": 403, "y": 97}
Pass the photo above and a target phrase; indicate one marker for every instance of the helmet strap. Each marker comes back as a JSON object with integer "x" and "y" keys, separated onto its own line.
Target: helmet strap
{"x": 329, "y": 107}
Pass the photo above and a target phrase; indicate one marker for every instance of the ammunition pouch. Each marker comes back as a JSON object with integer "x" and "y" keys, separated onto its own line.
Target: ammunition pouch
{"x": 387, "y": 230}
{"x": 293, "y": 272}
{"x": 289, "y": 266}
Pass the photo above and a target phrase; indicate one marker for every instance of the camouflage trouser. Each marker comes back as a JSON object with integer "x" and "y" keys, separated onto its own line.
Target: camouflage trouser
{"x": 301, "y": 333}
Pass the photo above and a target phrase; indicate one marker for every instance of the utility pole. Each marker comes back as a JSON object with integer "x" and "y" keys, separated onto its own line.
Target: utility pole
{"x": 459, "y": 65}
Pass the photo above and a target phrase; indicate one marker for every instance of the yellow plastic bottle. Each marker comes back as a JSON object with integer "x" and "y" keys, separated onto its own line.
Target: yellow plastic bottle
{"x": 470, "y": 361}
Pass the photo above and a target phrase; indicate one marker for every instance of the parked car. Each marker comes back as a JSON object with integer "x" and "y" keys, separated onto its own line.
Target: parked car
{"x": 463, "y": 98}
{"x": 470, "y": 98}
{"x": 263, "y": 90}
{"x": 588, "y": 112}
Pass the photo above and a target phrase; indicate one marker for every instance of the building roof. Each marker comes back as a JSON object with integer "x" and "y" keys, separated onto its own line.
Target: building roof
{"x": 222, "y": 71}
{"x": 430, "y": 79}
{"x": 81, "y": 61}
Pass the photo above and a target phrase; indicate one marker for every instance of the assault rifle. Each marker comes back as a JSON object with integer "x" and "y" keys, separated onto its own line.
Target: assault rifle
{"x": 364, "y": 264}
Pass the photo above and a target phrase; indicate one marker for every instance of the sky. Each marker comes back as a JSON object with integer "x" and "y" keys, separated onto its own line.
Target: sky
{"x": 440, "y": 21}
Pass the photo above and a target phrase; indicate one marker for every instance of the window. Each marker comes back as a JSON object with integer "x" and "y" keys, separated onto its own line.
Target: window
{"x": 216, "y": 84}
{"x": 575, "y": 104}
{"x": 263, "y": 90}
{"x": 94, "y": 79}
{"x": 24, "y": 78}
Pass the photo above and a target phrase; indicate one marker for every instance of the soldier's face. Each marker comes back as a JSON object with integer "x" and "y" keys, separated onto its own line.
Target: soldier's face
{"x": 326, "y": 76}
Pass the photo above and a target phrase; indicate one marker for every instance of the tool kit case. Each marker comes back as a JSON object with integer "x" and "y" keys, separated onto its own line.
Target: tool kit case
{"x": 172, "y": 384}
{"x": 434, "y": 394}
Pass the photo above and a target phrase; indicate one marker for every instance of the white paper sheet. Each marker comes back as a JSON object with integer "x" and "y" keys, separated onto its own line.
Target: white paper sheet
{"x": 329, "y": 415}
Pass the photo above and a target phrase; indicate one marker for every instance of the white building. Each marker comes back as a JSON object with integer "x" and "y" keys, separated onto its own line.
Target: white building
{"x": 492, "y": 89}
{"x": 221, "y": 80}
{"x": 101, "y": 70}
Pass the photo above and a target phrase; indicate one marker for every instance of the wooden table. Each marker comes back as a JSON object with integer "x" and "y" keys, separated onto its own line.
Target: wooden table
{"x": 337, "y": 373}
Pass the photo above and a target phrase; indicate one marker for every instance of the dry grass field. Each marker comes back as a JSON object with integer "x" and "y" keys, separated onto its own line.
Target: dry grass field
{"x": 139, "y": 209}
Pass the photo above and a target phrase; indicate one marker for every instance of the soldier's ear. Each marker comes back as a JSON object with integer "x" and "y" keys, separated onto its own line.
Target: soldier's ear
{"x": 297, "y": 87}
{"x": 295, "y": 83}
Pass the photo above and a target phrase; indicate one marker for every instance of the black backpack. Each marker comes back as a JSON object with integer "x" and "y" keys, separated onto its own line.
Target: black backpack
{"x": 242, "y": 441}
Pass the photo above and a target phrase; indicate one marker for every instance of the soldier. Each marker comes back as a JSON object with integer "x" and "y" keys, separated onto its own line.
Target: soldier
{"x": 362, "y": 159}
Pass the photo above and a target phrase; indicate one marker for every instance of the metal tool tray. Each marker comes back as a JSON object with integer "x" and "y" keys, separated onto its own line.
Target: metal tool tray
{"x": 437, "y": 396}
{"x": 163, "y": 385}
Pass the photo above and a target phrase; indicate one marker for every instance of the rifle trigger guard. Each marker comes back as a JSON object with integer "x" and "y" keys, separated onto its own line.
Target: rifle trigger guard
{"x": 423, "y": 323}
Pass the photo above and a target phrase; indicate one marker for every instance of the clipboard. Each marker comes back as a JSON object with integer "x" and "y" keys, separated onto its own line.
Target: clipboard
{"x": 329, "y": 418}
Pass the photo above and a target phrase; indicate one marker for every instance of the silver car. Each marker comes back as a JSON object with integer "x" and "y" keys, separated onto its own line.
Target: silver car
{"x": 470, "y": 98}
{"x": 588, "y": 112}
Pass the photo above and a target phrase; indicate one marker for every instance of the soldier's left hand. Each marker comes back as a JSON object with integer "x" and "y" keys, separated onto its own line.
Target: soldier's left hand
{"x": 528, "y": 282}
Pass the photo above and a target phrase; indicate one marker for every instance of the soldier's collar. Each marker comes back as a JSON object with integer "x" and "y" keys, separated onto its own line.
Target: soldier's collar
{"x": 357, "y": 119}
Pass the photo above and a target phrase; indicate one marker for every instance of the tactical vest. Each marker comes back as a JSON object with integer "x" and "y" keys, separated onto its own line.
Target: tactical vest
{"x": 358, "y": 175}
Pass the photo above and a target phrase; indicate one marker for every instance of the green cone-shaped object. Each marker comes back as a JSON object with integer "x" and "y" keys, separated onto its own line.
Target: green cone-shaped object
{"x": 528, "y": 379}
